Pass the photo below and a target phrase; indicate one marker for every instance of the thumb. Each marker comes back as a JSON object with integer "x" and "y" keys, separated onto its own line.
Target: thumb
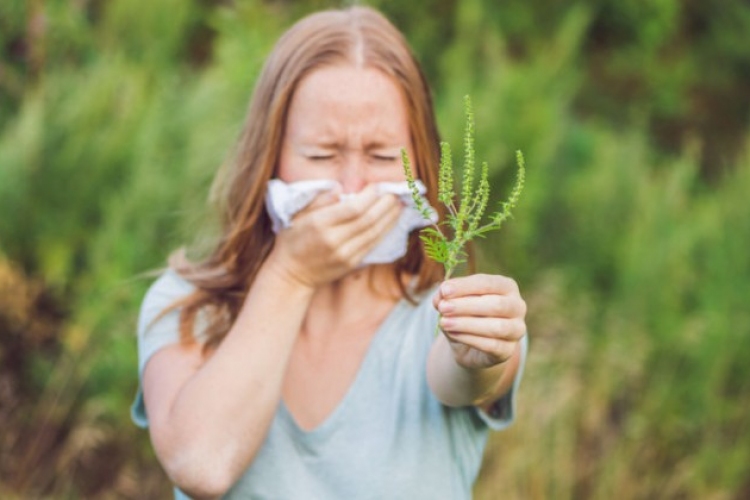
{"x": 324, "y": 199}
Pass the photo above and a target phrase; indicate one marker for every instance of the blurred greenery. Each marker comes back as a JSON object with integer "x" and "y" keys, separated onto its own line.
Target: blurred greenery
{"x": 630, "y": 244}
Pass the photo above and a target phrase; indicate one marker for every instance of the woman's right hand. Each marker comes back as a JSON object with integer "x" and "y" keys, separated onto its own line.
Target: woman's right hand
{"x": 329, "y": 238}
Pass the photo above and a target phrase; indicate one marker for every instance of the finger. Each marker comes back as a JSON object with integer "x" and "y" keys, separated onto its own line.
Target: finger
{"x": 349, "y": 240}
{"x": 323, "y": 200}
{"x": 501, "y": 328}
{"x": 364, "y": 240}
{"x": 351, "y": 208}
{"x": 382, "y": 206}
{"x": 368, "y": 225}
{"x": 437, "y": 297}
{"x": 478, "y": 284}
{"x": 500, "y": 349}
{"x": 331, "y": 212}
{"x": 489, "y": 305}
{"x": 347, "y": 243}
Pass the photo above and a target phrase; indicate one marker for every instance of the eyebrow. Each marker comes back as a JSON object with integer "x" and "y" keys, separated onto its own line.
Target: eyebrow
{"x": 381, "y": 145}
{"x": 305, "y": 147}
{"x": 335, "y": 145}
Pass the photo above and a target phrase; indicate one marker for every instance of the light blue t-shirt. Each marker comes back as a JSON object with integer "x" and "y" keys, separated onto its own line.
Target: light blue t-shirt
{"x": 389, "y": 438}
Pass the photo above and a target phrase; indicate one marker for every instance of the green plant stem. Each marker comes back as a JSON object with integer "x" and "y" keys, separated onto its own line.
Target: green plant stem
{"x": 465, "y": 222}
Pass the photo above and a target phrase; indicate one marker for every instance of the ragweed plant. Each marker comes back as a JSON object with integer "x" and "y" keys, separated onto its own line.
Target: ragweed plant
{"x": 445, "y": 241}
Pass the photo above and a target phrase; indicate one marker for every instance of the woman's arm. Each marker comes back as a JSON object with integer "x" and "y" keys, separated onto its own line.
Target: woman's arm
{"x": 476, "y": 359}
{"x": 209, "y": 416}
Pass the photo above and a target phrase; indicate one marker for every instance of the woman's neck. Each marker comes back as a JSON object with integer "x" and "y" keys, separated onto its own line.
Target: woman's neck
{"x": 358, "y": 298}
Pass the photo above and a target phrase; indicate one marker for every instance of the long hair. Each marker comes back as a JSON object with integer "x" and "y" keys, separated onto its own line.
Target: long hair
{"x": 357, "y": 35}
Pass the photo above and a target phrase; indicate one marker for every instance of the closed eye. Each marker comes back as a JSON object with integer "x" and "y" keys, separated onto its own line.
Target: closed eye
{"x": 319, "y": 157}
{"x": 385, "y": 157}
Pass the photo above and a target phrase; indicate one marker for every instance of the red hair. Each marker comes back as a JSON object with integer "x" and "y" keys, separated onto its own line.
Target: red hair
{"x": 356, "y": 35}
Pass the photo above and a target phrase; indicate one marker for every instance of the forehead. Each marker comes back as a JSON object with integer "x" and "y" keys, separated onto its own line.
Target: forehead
{"x": 349, "y": 78}
{"x": 347, "y": 96}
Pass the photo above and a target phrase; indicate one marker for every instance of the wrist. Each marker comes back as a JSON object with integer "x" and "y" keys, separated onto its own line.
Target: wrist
{"x": 276, "y": 267}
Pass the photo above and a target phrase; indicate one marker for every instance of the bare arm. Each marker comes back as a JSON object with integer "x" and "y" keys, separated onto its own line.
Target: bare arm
{"x": 209, "y": 417}
{"x": 475, "y": 360}
{"x": 456, "y": 385}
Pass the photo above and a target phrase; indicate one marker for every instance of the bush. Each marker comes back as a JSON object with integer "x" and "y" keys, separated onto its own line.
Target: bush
{"x": 629, "y": 243}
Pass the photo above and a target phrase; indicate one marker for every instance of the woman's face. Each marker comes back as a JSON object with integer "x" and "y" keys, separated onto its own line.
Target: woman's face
{"x": 347, "y": 124}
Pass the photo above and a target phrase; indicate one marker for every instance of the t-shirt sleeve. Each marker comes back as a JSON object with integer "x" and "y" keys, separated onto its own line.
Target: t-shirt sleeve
{"x": 502, "y": 412}
{"x": 154, "y": 335}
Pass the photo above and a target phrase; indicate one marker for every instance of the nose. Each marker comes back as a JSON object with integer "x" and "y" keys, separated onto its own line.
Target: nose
{"x": 352, "y": 174}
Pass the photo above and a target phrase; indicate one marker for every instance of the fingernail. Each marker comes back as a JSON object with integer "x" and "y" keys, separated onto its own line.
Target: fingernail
{"x": 446, "y": 306}
{"x": 447, "y": 323}
{"x": 446, "y": 289}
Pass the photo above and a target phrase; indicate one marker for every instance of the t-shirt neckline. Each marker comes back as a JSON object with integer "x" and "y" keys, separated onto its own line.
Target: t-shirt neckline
{"x": 332, "y": 421}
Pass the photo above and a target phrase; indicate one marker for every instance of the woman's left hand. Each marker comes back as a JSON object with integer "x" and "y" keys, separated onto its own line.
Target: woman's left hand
{"x": 483, "y": 318}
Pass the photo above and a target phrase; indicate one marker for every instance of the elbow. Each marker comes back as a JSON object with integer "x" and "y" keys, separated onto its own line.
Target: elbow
{"x": 200, "y": 479}
{"x": 201, "y": 464}
{"x": 198, "y": 468}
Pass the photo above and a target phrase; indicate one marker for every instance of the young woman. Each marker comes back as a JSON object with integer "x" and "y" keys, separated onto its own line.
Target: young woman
{"x": 281, "y": 366}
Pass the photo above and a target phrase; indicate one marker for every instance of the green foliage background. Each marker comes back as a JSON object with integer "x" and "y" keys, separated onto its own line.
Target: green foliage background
{"x": 630, "y": 243}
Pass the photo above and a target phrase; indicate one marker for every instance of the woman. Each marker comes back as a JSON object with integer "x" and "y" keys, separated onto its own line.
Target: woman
{"x": 281, "y": 366}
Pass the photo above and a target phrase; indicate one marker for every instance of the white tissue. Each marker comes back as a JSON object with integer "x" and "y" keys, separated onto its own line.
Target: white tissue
{"x": 283, "y": 200}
